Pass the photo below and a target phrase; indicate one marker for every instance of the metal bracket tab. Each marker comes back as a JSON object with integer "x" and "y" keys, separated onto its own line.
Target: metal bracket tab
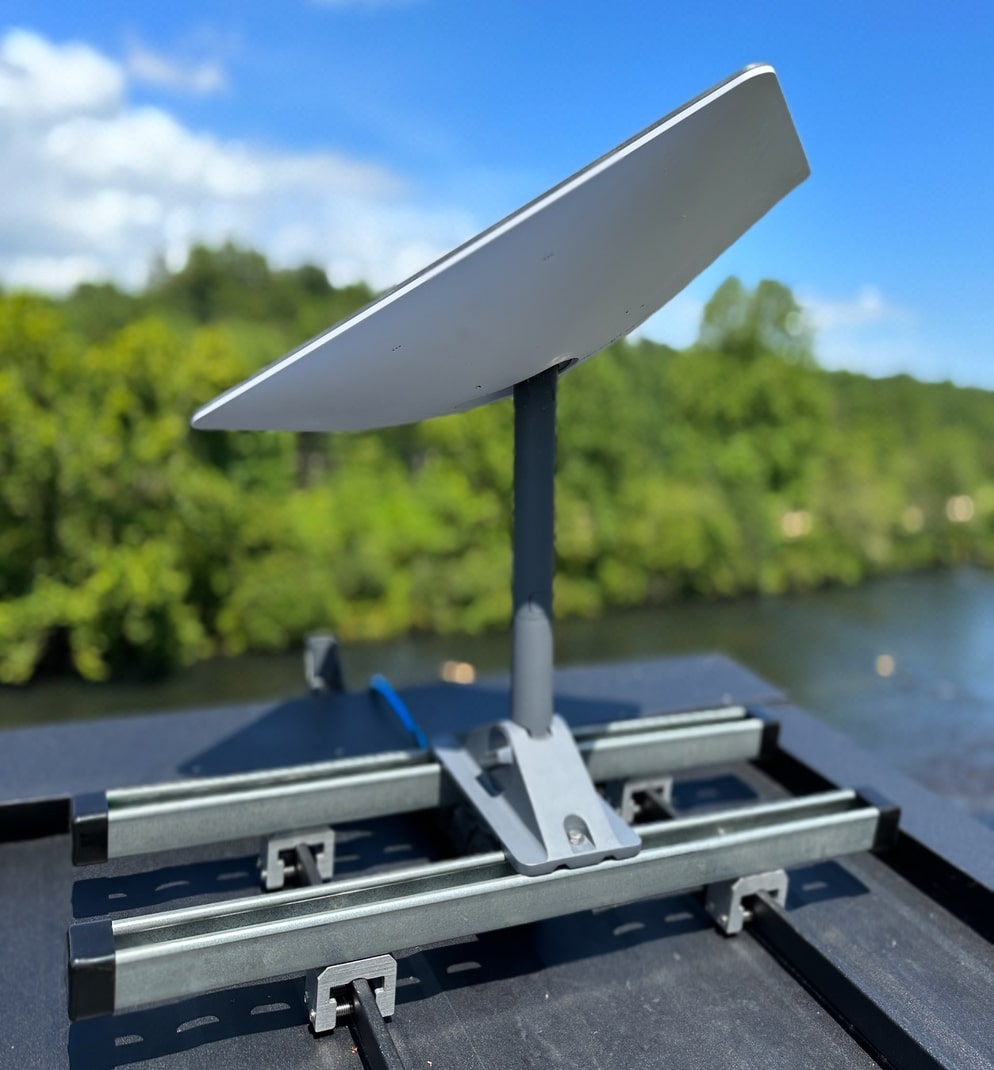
{"x": 285, "y": 857}
{"x": 324, "y": 1009}
{"x": 724, "y": 899}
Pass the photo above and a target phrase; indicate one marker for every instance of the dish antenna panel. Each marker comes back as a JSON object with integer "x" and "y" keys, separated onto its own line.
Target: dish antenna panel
{"x": 549, "y": 286}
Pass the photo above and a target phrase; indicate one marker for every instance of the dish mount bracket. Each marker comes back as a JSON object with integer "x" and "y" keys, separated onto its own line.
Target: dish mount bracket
{"x": 524, "y": 775}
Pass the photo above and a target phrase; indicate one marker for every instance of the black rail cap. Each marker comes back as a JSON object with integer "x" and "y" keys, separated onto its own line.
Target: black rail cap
{"x": 89, "y": 828}
{"x": 770, "y": 739}
{"x": 91, "y": 969}
{"x": 890, "y": 817}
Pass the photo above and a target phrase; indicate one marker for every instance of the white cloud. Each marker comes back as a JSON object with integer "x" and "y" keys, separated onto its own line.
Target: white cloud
{"x": 41, "y": 81}
{"x": 53, "y": 273}
{"x": 868, "y": 306}
{"x": 198, "y": 77}
{"x": 865, "y": 333}
{"x": 94, "y": 186}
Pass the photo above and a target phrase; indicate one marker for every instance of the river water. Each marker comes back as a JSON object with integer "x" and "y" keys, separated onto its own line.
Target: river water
{"x": 903, "y": 665}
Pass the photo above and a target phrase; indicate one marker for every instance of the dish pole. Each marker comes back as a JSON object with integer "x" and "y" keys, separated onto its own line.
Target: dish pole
{"x": 533, "y": 552}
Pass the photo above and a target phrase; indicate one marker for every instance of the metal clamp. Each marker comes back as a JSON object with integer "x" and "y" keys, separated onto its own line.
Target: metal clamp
{"x": 630, "y": 797}
{"x": 381, "y": 973}
{"x": 724, "y": 899}
{"x": 308, "y": 855}
{"x": 323, "y": 664}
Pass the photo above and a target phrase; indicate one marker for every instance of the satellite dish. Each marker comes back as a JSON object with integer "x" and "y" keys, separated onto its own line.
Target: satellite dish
{"x": 549, "y": 286}
{"x": 552, "y": 284}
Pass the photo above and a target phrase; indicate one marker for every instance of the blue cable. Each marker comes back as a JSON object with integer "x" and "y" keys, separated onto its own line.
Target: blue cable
{"x": 379, "y": 684}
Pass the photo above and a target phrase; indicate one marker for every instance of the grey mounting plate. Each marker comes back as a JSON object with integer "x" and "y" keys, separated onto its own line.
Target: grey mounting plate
{"x": 537, "y": 797}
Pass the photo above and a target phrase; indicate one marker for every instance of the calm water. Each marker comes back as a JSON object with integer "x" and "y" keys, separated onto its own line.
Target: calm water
{"x": 905, "y": 666}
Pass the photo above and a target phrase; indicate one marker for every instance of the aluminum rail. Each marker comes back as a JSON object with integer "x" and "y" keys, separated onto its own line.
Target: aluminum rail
{"x": 133, "y": 821}
{"x": 130, "y": 962}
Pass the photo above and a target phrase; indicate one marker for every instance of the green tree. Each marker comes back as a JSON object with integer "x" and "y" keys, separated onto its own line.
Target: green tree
{"x": 747, "y": 324}
{"x": 128, "y": 542}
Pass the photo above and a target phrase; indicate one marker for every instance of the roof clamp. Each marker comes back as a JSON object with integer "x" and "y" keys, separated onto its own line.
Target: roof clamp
{"x": 725, "y": 900}
{"x": 303, "y": 857}
{"x": 328, "y": 993}
{"x": 641, "y": 798}
{"x": 525, "y": 775}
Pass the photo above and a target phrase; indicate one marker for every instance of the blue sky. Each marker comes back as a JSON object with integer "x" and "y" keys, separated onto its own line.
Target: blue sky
{"x": 372, "y": 135}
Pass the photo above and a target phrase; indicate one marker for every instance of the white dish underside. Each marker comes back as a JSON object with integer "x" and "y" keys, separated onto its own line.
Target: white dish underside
{"x": 557, "y": 281}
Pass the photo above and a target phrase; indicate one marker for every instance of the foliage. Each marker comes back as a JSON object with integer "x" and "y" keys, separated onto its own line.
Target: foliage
{"x": 129, "y": 543}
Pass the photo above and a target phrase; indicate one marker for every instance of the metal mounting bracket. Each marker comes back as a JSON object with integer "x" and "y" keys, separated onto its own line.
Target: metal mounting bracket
{"x": 323, "y": 664}
{"x": 323, "y": 1006}
{"x": 128, "y": 962}
{"x": 308, "y": 855}
{"x": 125, "y": 822}
{"x": 632, "y": 796}
{"x": 537, "y": 797}
{"x": 724, "y": 899}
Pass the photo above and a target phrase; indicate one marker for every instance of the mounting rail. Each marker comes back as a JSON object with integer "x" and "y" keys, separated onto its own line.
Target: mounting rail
{"x": 136, "y": 821}
{"x": 127, "y": 963}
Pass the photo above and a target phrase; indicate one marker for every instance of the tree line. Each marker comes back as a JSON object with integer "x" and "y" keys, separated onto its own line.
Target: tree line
{"x": 129, "y": 543}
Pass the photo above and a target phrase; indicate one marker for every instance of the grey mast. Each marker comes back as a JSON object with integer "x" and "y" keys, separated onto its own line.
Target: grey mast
{"x": 533, "y": 551}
